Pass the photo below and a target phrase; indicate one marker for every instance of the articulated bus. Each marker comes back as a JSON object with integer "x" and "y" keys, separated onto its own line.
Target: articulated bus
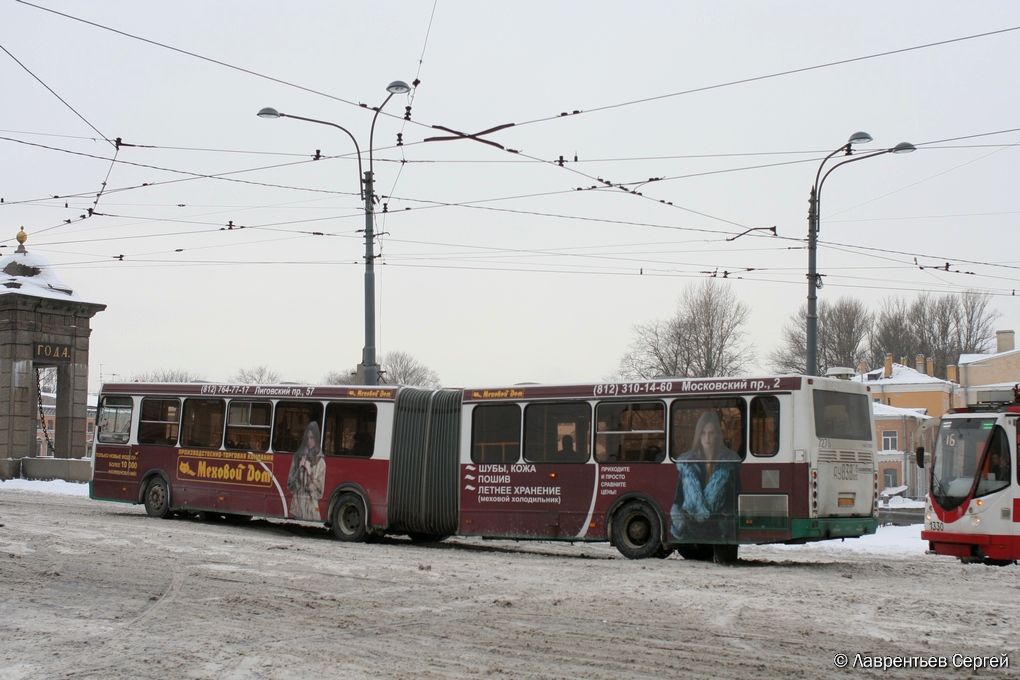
{"x": 699, "y": 466}
{"x": 973, "y": 504}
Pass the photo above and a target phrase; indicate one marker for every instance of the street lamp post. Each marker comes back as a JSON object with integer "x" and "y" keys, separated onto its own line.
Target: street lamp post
{"x": 368, "y": 369}
{"x": 813, "y": 218}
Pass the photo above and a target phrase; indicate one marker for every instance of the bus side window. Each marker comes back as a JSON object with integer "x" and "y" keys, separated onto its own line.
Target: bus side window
{"x": 557, "y": 433}
{"x": 630, "y": 432}
{"x": 684, "y": 416}
{"x": 350, "y": 430}
{"x": 248, "y": 425}
{"x": 159, "y": 421}
{"x": 764, "y": 426}
{"x": 496, "y": 434}
{"x": 203, "y": 423}
{"x": 115, "y": 420}
{"x": 292, "y": 417}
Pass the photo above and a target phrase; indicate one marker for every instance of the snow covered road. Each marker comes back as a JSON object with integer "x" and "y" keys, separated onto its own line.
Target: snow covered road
{"x": 100, "y": 590}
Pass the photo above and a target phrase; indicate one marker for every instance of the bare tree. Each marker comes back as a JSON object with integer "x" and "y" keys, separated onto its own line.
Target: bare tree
{"x": 166, "y": 375}
{"x": 703, "y": 338}
{"x": 975, "y": 329}
{"x": 941, "y": 327}
{"x": 791, "y": 355}
{"x": 400, "y": 368}
{"x": 659, "y": 348}
{"x": 934, "y": 320}
{"x": 258, "y": 375}
{"x": 348, "y": 377}
{"x": 892, "y": 333}
{"x": 843, "y": 328}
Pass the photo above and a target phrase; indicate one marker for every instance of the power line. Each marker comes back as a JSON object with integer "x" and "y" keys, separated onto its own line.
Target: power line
{"x": 778, "y": 74}
{"x": 51, "y": 91}
{"x": 201, "y": 57}
{"x": 191, "y": 175}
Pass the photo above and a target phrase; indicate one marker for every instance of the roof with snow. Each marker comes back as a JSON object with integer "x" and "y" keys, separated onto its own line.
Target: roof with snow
{"x": 25, "y": 273}
{"x": 901, "y": 375}
{"x": 974, "y": 358}
{"x": 885, "y": 411}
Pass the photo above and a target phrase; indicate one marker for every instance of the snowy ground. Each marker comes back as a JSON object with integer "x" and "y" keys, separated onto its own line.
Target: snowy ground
{"x": 99, "y": 590}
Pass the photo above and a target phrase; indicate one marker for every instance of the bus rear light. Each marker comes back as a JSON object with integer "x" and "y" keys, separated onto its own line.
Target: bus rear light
{"x": 552, "y": 475}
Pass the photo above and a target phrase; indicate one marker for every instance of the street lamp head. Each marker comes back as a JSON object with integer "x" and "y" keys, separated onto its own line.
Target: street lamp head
{"x": 269, "y": 112}
{"x": 903, "y": 147}
{"x": 398, "y": 87}
{"x": 859, "y": 138}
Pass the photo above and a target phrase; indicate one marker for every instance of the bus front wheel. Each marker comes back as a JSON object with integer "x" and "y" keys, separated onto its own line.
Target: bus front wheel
{"x": 349, "y": 518}
{"x": 637, "y": 531}
{"x": 157, "y": 498}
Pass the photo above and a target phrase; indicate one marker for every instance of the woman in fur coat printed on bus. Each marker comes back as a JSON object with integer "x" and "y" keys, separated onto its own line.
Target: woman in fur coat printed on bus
{"x": 704, "y": 506}
{"x": 307, "y": 476}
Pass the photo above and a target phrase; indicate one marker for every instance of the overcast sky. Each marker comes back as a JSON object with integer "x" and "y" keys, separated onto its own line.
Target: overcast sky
{"x": 494, "y": 267}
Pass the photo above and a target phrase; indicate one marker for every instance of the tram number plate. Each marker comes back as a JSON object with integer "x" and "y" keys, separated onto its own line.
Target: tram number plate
{"x": 937, "y": 525}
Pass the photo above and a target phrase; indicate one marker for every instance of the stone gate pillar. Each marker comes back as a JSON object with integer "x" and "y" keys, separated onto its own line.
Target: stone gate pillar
{"x": 42, "y": 323}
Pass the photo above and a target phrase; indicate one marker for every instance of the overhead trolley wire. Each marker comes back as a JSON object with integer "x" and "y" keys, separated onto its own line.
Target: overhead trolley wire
{"x": 62, "y": 100}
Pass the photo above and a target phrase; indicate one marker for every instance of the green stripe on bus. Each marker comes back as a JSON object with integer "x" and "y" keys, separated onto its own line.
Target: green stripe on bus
{"x": 833, "y": 527}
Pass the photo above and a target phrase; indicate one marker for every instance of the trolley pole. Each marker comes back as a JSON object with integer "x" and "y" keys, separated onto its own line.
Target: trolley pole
{"x": 369, "y": 369}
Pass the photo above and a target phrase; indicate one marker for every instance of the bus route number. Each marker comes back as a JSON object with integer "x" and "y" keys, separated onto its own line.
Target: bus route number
{"x": 624, "y": 389}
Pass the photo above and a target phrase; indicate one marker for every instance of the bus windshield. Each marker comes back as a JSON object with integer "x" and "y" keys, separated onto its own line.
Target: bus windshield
{"x": 971, "y": 455}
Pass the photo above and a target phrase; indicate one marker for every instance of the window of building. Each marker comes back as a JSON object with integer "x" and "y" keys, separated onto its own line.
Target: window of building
{"x": 764, "y": 440}
{"x": 690, "y": 418}
{"x": 630, "y": 432}
{"x": 292, "y": 417}
{"x": 557, "y": 433}
{"x": 159, "y": 421}
{"x": 890, "y": 440}
{"x": 115, "y": 420}
{"x": 889, "y": 477}
{"x": 202, "y": 424}
{"x": 496, "y": 433}
{"x": 248, "y": 424}
{"x": 350, "y": 430}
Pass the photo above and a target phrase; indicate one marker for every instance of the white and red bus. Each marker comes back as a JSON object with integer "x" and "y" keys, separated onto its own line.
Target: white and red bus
{"x": 695, "y": 465}
{"x": 973, "y": 504}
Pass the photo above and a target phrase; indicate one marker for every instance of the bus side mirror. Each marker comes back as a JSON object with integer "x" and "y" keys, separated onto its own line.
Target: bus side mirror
{"x": 919, "y": 456}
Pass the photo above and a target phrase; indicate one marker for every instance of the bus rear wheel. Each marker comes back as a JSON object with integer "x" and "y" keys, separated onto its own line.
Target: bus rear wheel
{"x": 637, "y": 531}
{"x": 348, "y": 522}
{"x": 157, "y": 498}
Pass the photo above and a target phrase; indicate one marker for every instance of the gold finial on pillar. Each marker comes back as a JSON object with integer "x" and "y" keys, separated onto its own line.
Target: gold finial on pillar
{"x": 22, "y": 237}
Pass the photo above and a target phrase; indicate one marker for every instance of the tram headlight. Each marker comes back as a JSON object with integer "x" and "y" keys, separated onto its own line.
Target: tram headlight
{"x": 975, "y": 521}
{"x": 979, "y": 502}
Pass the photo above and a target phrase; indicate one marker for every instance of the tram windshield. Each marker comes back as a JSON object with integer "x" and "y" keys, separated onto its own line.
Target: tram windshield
{"x": 971, "y": 458}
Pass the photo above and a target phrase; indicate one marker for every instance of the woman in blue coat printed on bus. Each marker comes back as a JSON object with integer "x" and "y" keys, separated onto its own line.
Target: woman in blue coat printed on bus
{"x": 704, "y": 506}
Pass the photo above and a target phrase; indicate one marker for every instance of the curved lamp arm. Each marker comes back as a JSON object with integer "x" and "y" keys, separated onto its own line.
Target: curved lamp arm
{"x": 902, "y": 147}
{"x": 273, "y": 113}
